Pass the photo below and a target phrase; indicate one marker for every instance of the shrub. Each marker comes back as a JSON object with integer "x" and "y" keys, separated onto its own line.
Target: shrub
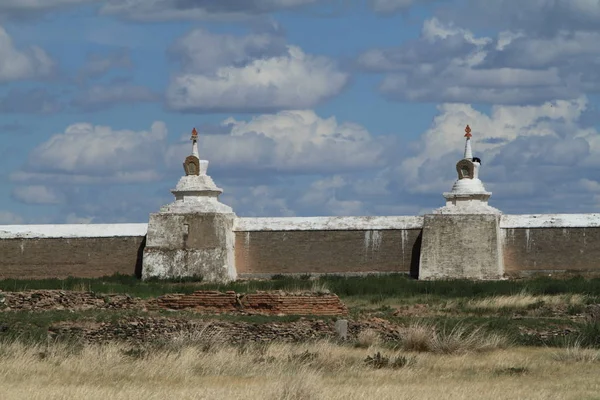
{"x": 589, "y": 335}
{"x": 459, "y": 339}
{"x": 576, "y": 353}
{"x": 379, "y": 361}
{"x": 418, "y": 337}
{"x": 301, "y": 386}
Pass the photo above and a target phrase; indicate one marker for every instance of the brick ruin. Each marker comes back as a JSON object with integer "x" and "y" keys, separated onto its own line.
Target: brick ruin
{"x": 210, "y": 302}
{"x": 268, "y": 303}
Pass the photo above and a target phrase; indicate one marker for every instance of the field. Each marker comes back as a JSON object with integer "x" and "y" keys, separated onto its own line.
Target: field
{"x": 528, "y": 339}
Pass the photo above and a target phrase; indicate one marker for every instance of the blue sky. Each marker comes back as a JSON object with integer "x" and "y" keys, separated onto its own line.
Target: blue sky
{"x": 304, "y": 107}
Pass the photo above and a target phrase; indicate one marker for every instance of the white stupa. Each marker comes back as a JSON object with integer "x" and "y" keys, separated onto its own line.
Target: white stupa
{"x": 468, "y": 195}
{"x": 196, "y": 192}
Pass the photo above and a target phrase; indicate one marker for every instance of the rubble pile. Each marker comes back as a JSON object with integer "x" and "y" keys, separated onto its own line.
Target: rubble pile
{"x": 140, "y": 330}
{"x": 208, "y": 302}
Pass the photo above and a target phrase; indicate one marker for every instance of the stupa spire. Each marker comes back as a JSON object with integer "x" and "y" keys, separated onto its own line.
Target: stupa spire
{"x": 468, "y": 195}
{"x": 468, "y": 151}
{"x": 194, "y": 140}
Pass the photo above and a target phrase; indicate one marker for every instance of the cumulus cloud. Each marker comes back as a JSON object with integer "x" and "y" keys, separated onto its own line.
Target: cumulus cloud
{"x": 451, "y": 64}
{"x": 539, "y": 17}
{"x": 19, "y": 64}
{"x": 37, "y": 194}
{"x": 162, "y": 10}
{"x": 252, "y": 80}
{"x": 296, "y": 141}
{"x": 535, "y": 158}
{"x": 85, "y": 153}
{"x": 267, "y": 165}
{"x": 201, "y": 51}
{"x": 99, "y": 97}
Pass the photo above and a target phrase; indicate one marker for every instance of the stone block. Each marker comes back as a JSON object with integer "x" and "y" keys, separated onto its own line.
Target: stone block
{"x": 341, "y": 328}
{"x": 461, "y": 246}
{"x": 190, "y": 245}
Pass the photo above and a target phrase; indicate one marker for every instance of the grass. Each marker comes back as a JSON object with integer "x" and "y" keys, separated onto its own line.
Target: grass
{"x": 373, "y": 286}
{"x": 461, "y": 339}
{"x": 577, "y": 353}
{"x": 317, "y": 370}
{"x": 524, "y": 300}
{"x": 457, "y": 339}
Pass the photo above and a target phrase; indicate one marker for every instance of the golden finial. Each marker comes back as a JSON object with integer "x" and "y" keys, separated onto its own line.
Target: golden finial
{"x": 468, "y": 132}
{"x": 194, "y": 134}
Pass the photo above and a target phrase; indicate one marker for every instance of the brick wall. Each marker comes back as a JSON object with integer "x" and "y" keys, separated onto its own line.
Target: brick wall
{"x": 270, "y": 303}
{"x": 298, "y": 252}
{"x": 86, "y": 257}
{"x": 267, "y": 246}
{"x": 530, "y": 251}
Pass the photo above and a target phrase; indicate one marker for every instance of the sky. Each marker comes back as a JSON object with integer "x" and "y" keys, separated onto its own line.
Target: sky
{"x": 304, "y": 107}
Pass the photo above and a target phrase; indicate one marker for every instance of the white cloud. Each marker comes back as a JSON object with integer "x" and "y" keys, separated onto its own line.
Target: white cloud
{"x": 37, "y": 194}
{"x": 204, "y": 52}
{"x": 529, "y": 155}
{"x": 451, "y": 64}
{"x": 296, "y": 141}
{"x": 15, "y": 64}
{"x": 540, "y": 17}
{"x": 294, "y": 80}
{"x": 85, "y": 153}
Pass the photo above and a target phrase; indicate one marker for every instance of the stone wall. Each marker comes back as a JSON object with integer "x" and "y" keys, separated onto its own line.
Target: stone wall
{"x": 268, "y": 246}
{"x": 327, "y": 245}
{"x": 60, "y": 251}
{"x": 551, "y": 243}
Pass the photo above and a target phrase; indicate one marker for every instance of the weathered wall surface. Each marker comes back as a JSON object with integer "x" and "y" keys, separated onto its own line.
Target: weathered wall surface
{"x": 267, "y": 246}
{"x": 327, "y": 245}
{"x": 190, "y": 245}
{"x": 551, "y": 243}
{"x": 457, "y": 246}
{"x": 59, "y": 251}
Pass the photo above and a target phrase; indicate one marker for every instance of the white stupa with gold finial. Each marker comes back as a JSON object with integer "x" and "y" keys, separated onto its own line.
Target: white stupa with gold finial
{"x": 196, "y": 191}
{"x": 468, "y": 195}
{"x": 193, "y": 236}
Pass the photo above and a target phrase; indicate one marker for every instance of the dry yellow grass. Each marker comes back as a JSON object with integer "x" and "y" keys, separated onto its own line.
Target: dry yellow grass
{"x": 424, "y": 337}
{"x": 524, "y": 300}
{"x": 368, "y": 338}
{"x": 319, "y": 370}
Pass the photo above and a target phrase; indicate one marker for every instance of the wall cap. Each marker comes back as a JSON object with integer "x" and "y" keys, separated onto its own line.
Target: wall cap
{"x": 71, "y": 231}
{"x": 527, "y": 221}
{"x": 328, "y": 223}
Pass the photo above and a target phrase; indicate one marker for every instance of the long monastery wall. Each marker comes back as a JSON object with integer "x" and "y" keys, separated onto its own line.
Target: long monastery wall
{"x": 545, "y": 243}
